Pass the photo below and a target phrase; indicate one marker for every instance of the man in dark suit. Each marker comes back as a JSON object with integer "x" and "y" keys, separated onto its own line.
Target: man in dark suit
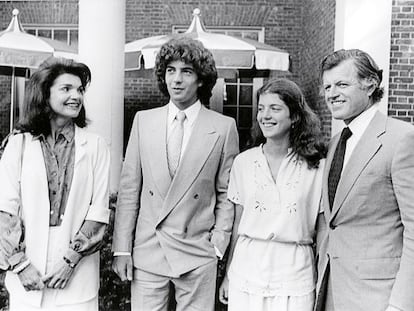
{"x": 173, "y": 216}
{"x": 366, "y": 227}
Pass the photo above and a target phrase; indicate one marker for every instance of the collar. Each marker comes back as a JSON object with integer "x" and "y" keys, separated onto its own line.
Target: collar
{"x": 68, "y": 132}
{"x": 191, "y": 112}
{"x": 361, "y": 122}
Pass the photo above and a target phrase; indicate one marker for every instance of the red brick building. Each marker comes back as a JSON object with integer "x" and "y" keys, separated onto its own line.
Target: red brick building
{"x": 304, "y": 28}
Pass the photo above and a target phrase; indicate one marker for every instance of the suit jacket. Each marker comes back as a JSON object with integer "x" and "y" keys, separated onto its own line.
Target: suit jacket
{"x": 172, "y": 226}
{"x": 88, "y": 200}
{"x": 368, "y": 237}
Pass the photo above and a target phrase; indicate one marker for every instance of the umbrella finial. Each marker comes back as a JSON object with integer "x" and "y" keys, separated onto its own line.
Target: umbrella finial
{"x": 15, "y": 25}
{"x": 196, "y": 12}
{"x": 197, "y": 25}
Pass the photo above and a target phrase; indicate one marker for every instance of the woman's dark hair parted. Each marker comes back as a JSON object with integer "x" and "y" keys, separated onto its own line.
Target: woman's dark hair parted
{"x": 367, "y": 69}
{"x": 191, "y": 52}
{"x": 305, "y": 134}
{"x": 36, "y": 113}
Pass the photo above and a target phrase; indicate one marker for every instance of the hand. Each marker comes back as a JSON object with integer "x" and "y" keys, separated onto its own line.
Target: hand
{"x": 31, "y": 278}
{"x": 224, "y": 291}
{"x": 122, "y": 265}
{"x": 59, "y": 276}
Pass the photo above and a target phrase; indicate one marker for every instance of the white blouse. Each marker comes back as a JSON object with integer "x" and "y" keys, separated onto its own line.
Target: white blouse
{"x": 273, "y": 255}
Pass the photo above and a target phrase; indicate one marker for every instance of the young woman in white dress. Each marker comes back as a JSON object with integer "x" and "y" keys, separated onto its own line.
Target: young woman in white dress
{"x": 275, "y": 187}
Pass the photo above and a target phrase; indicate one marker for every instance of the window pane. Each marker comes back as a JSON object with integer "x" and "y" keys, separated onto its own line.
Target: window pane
{"x": 231, "y": 95}
{"x": 74, "y": 37}
{"x": 45, "y": 33}
{"x": 246, "y": 92}
{"x": 31, "y": 31}
{"x": 234, "y": 33}
{"x": 230, "y": 111}
{"x": 245, "y": 117}
{"x": 251, "y": 35}
{"x": 61, "y": 35}
{"x": 246, "y": 80}
{"x": 244, "y": 135}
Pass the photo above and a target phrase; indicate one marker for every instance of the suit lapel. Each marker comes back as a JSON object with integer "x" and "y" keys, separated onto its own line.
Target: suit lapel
{"x": 156, "y": 140}
{"x": 199, "y": 148}
{"x": 367, "y": 147}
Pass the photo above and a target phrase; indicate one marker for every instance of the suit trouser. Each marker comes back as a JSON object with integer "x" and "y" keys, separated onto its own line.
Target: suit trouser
{"x": 194, "y": 290}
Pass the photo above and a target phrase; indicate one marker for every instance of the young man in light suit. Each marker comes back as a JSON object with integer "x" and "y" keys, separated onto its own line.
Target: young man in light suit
{"x": 366, "y": 227}
{"x": 173, "y": 219}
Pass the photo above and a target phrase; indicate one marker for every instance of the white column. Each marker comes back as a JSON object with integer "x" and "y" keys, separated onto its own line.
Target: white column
{"x": 101, "y": 47}
{"x": 365, "y": 25}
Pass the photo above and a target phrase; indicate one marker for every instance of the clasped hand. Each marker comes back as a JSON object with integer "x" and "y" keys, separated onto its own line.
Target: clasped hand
{"x": 57, "y": 278}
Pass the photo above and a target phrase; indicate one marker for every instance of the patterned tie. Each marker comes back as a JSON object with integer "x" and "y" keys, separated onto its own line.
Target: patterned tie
{"x": 337, "y": 164}
{"x": 175, "y": 142}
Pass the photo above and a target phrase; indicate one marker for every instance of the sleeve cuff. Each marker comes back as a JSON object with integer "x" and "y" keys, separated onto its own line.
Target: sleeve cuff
{"x": 122, "y": 254}
{"x": 218, "y": 253}
{"x": 16, "y": 259}
{"x": 73, "y": 256}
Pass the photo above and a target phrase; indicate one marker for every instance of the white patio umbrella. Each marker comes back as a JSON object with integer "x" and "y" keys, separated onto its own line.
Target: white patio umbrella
{"x": 229, "y": 52}
{"x": 20, "y": 52}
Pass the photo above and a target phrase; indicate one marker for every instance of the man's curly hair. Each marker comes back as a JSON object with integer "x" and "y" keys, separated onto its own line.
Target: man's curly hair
{"x": 191, "y": 52}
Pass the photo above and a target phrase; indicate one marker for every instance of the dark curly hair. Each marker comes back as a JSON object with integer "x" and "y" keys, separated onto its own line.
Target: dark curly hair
{"x": 305, "y": 134}
{"x": 366, "y": 67}
{"x": 36, "y": 113}
{"x": 192, "y": 52}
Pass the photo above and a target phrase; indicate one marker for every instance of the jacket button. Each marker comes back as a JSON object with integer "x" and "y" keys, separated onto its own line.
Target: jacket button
{"x": 332, "y": 226}
{"x": 196, "y": 196}
{"x": 151, "y": 193}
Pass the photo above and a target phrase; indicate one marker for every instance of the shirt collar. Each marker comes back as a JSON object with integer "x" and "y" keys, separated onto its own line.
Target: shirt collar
{"x": 361, "y": 122}
{"x": 68, "y": 132}
{"x": 191, "y": 112}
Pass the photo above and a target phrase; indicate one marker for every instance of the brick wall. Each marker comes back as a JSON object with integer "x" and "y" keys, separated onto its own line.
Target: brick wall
{"x": 31, "y": 12}
{"x": 5, "y": 86}
{"x": 282, "y": 20}
{"x": 401, "y": 83}
{"x": 318, "y": 41}
{"x": 305, "y": 28}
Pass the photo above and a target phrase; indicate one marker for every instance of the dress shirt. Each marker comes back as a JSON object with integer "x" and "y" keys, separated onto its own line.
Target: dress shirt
{"x": 358, "y": 127}
{"x": 191, "y": 114}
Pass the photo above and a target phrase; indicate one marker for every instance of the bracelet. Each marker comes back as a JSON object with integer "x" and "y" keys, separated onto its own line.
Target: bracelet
{"x": 69, "y": 262}
{"x": 21, "y": 267}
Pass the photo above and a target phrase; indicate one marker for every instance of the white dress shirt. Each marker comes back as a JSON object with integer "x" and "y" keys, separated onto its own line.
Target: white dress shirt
{"x": 191, "y": 114}
{"x": 358, "y": 127}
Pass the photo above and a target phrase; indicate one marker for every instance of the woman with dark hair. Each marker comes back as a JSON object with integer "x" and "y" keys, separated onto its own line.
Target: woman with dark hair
{"x": 275, "y": 187}
{"x": 54, "y": 180}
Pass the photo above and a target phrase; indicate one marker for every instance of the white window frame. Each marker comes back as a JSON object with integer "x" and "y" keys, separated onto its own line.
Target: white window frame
{"x": 52, "y": 27}
{"x": 244, "y": 30}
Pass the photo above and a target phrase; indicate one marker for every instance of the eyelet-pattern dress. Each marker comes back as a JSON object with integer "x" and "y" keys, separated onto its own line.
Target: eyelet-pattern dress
{"x": 273, "y": 256}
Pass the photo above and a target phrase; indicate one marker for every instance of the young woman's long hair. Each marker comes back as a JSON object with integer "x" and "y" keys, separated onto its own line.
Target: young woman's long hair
{"x": 305, "y": 133}
{"x": 36, "y": 113}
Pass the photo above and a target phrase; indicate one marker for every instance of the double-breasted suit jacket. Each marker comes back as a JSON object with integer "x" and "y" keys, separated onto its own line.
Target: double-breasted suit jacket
{"x": 172, "y": 226}
{"x": 368, "y": 237}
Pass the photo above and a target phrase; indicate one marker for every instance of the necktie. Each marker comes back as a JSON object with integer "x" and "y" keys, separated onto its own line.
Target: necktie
{"x": 175, "y": 142}
{"x": 337, "y": 164}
